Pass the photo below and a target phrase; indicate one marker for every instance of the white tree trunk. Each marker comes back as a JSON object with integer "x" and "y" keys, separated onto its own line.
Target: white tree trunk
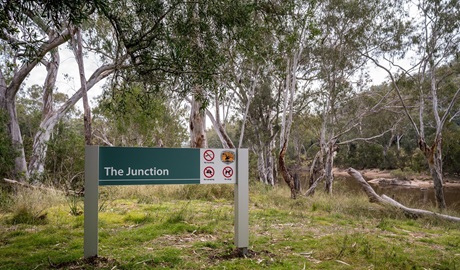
{"x": 219, "y": 128}
{"x": 20, "y": 170}
{"x": 36, "y": 166}
{"x": 270, "y": 167}
{"x": 8, "y": 105}
{"x": 387, "y": 201}
{"x": 40, "y": 147}
{"x": 261, "y": 168}
{"x": 291, "y": 84}
{"x": 50, "y": 120}
{"x": 329, "y": 164}
{"x": 8, "y": 98}
{"x": 246, "y": 111}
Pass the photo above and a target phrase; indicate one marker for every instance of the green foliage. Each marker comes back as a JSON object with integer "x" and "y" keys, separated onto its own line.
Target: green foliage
{"x": 402, "y": 174}
{"x": 75, "y": 205}
{"x": 29, "y": 115}
{"x": 417, "y": 162}
{"x": 7, "y": 152}
{"x": 16, "y": 17}
{"x": 451, "y": 149}
{"x": 361, "y": 155}
{"x": 134, "y": 115}
{"x": 66, "y": 152}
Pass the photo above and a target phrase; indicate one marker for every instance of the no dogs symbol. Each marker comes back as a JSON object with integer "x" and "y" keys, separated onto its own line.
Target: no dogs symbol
{"x": 208, "y": 172}
{"x": 227, "y": 172}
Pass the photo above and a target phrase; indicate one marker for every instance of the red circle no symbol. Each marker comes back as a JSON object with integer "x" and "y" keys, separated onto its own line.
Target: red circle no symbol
{"x": 208, "y": 172}
{"x": 208, "y": 155}
{"x": 227, "y": 172}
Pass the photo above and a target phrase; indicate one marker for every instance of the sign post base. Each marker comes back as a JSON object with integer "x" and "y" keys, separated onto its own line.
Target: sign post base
{"x": 243, "y": 252}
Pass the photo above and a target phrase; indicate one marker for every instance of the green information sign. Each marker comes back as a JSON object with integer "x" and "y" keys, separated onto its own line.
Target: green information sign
{"x": 107, "y": 166}
{"x": 147, "y": 166}
{"x": 160, "y": 166}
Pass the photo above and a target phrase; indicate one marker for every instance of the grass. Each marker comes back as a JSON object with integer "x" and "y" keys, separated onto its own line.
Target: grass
{"x": 191, "y": 227}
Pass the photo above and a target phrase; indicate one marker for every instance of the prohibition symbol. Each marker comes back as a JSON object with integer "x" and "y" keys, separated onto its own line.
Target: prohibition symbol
{"x": 227, "y": 172}
{"x": 208, "y": 172}
{"x": 208, "y": 155}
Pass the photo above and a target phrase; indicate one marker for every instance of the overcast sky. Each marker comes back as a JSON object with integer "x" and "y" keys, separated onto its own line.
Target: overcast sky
{"x": 71, "y": 83}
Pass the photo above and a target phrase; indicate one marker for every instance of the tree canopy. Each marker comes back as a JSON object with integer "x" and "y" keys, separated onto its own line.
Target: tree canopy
{"x": 287, "y": 79}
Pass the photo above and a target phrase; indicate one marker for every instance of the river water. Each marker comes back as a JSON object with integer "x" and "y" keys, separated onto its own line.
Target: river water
{"x": 409, "y": 196}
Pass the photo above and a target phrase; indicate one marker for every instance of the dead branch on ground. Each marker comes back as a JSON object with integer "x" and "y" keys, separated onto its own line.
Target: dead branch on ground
{"x": 42, "y": 187}
{"x": 387, "y": 201}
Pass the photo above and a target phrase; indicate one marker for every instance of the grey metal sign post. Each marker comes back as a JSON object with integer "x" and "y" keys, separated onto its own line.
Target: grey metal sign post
{"x": 242, "y": 202}
{"x": 91, "y": 206}
{"x": 153, "y": 166}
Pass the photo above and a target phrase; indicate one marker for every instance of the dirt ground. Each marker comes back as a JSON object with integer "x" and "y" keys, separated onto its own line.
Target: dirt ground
{"x": 386, "y": 178}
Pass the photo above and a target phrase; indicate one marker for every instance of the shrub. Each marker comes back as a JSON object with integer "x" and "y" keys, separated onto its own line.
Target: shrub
{"x": 25, "y": 215}
{"x": 29, "y": 205}
{"x": 418, "y": 162}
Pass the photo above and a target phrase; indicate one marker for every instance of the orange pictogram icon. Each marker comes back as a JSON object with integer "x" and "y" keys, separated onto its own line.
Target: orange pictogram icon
{"x": 227, "y": 157}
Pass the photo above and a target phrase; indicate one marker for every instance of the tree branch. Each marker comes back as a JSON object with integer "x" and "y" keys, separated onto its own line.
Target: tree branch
{"x": 449, "y": 108}
{"x": 388, "y": 202}
{"x": 25, "y": 69}
{"x": 396, "y": 87}
{"x": 365, "y": 139}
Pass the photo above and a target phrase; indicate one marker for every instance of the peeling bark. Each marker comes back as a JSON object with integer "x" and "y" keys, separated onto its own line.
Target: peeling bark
{"x": 434, "y": 159}
{"x": 197, "y": 124}
{"x": 284, "y": 171}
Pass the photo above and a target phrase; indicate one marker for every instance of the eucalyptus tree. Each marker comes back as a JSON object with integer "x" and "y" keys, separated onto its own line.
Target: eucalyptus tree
{"x": 99, "y": 40}
{"x": 247, "y": 78}
{"x": 65, "y": 153}
{"x": 77, "y": 46}
{"x": 262, "y": 129}
{"x": 376, "y": 141}
{"x": 429, "y": 33}
{"x": 180, "y": 42}
{"x": 30, "y": 31}
{"x": 241, "y": 47}
{"x": 302, "y": 32}
{"x": 340, "y": 74}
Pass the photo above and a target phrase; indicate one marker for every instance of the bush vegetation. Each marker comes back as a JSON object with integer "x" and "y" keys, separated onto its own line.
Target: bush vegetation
{"x": 191, "y": 227}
